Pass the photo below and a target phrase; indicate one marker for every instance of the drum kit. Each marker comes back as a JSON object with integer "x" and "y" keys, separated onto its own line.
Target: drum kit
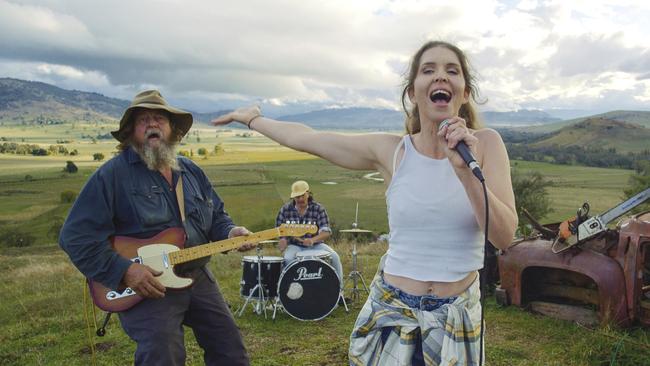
{"x": 307, "y": 288}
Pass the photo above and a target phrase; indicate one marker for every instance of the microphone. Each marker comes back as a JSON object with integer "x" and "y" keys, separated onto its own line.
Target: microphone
{"x": 466, "y": 154}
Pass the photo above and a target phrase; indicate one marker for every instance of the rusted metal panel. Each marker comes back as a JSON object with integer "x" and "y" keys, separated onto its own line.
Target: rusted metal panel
{"x": 615, "y": 262}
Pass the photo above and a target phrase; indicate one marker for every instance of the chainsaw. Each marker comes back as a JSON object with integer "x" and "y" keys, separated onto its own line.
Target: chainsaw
{"x": 582, "y": 227}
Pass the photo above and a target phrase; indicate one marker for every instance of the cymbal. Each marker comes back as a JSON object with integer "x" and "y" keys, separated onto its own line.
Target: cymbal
{"x": 355, "y": 231}
{"x": 268, "y": 241}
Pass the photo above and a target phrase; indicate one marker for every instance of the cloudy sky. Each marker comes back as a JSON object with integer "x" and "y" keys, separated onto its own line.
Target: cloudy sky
{"x": 208, "y": 55}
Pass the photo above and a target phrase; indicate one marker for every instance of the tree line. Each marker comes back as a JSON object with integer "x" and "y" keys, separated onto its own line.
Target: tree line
{"x": 32, "y": 149}
{"x": 520, "y": 147}
{"x": 578, "y": 155}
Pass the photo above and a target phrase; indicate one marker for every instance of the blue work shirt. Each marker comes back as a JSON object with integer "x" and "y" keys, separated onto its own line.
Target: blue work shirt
{"x": 123, "y": 197}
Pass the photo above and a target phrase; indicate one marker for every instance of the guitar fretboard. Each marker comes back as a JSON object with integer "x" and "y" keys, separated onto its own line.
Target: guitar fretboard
{"x": 200, "y": 251}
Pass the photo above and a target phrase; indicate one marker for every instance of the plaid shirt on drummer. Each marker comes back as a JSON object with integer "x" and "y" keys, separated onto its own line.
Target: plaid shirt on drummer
{"x": 315, "y": 214}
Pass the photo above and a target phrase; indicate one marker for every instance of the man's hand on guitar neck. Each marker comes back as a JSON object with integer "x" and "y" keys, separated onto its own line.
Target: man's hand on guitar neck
{"x": 241, "y": 231}
{"x": 142, "y": 280}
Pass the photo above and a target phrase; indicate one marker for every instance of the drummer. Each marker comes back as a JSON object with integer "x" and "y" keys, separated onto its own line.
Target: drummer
{"x": 303, "y": 209}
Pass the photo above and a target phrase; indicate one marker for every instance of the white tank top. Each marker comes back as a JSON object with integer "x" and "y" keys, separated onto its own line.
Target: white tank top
{"x": 434, "y": 235}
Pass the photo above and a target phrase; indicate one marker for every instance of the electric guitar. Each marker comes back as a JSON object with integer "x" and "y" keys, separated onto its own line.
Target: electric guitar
{"x": 165, "y": 250}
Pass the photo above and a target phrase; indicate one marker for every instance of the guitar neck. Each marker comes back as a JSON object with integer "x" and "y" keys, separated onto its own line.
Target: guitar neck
{"x": 200, "y": 251}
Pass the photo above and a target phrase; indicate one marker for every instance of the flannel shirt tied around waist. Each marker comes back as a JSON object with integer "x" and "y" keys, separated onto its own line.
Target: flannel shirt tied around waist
{"x": 449, "y": 335}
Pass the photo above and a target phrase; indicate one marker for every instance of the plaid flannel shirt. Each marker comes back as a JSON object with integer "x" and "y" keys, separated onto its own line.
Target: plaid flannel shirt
{"x": 389, "y": 333}
{"x": 315, "y": 214}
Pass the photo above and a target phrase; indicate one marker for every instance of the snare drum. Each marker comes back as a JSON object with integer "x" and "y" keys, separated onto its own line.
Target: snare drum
{"x": 309, "y": 288}
{"x": 315, "y": 254}
{"x": 270, "y": 271}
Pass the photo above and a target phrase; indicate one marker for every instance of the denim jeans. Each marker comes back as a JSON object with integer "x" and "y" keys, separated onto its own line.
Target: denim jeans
{"x": 156, "y": 325}
{"x": 423, "y": 302}
{"x": 292, "y": 250}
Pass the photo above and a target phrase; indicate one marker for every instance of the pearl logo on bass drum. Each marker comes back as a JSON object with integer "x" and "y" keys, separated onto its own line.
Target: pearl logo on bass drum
{"x": 303, "y": 274}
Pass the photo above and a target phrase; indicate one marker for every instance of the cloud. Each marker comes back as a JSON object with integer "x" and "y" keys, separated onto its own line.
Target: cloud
{"x": 528, "y": 53}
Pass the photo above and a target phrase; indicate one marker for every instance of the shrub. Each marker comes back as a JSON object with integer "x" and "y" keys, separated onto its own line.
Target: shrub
{"x": 530, "y": 193}
{"x": 70, "y": 167}
{"x": 13, "y": 237}
{"x": 55, "y": 228}
{"x": 98, "y": 156}
{"x": 68, "y": 196}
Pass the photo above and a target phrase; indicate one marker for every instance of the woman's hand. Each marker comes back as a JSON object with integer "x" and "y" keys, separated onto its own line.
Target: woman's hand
{"x": 452, "y": 133}
{"x": 243, "y": 115}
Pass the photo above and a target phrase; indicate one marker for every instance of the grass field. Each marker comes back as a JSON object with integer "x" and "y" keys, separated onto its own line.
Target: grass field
{"x": 46, "y": 320}
{"x": 42, "y": 319}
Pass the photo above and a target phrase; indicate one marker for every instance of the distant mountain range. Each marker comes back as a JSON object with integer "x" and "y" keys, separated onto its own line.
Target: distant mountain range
{"x": 518, "y": 118}
{"x": 351, "y": 119}
{"x": 27, "y": 102}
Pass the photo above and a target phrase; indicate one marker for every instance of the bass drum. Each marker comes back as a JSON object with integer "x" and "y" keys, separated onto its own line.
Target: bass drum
{"x": 309, "y": 289}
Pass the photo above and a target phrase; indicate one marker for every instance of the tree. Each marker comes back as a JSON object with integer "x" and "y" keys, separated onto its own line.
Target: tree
{"x": 530, "y": 193}
{"x": 202, "y": 151}
{"x": 98, "y": 156}
{"x": 638, "y": 182}
{"x": 70, "y": 167}
{"x": 40, "y": 152}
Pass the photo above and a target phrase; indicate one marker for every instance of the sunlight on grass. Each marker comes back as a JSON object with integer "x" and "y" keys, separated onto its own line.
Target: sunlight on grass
{"x": 42, "y": 317}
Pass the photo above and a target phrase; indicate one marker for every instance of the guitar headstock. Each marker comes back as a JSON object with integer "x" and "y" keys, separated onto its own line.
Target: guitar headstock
{"x": 297, "y": 229}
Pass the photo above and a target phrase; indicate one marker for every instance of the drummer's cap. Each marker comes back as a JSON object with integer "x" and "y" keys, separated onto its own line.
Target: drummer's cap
{"x": 298, "y": 188}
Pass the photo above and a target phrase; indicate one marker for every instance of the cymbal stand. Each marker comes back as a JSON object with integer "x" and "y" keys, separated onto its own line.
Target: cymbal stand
{"x": 260, "y": 300}
{"x": 355, "y": 275}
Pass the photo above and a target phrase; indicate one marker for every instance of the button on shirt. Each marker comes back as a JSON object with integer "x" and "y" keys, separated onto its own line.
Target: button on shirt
{"x": 315, "y": 214}
{"x": 124, "y": 198}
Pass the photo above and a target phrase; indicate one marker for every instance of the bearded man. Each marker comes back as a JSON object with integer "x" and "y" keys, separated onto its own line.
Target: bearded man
{"x": 135, "y": 195}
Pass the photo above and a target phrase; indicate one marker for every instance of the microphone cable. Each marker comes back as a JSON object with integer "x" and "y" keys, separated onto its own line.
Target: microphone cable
{"x": 482, "y": 277}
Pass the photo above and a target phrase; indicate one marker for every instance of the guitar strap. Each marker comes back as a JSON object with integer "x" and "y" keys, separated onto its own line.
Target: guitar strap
{"x": 180, "y": 198}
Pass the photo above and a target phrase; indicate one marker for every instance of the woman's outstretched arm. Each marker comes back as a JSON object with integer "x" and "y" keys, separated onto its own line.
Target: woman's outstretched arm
{"x": 362, "y": 152}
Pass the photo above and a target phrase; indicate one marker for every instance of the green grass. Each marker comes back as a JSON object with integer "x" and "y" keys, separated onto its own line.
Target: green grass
{"x": 42, "y": 322}
{"x": 573, "y": 185}
{"x": 42, "y": 318}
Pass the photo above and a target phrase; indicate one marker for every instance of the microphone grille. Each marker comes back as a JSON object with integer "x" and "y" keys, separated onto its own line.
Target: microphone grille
{"x": 443, "y": 124}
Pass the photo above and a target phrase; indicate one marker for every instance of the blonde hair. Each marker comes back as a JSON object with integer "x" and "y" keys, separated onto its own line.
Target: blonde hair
{"x": 467, "y": 111}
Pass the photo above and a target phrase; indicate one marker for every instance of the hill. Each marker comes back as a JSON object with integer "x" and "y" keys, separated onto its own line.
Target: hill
{"x": 641, "y": 118}
{"x": 27, "y": 102}
{"x": 598, "y": 132}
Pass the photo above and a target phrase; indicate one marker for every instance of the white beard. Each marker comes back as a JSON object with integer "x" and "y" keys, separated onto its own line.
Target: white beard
{"x": 159, "y": 156}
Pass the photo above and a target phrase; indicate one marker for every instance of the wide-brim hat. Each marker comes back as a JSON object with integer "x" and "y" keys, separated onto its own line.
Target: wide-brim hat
{"x": 152, "y": 99}
{"x": 299, "y": 188}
